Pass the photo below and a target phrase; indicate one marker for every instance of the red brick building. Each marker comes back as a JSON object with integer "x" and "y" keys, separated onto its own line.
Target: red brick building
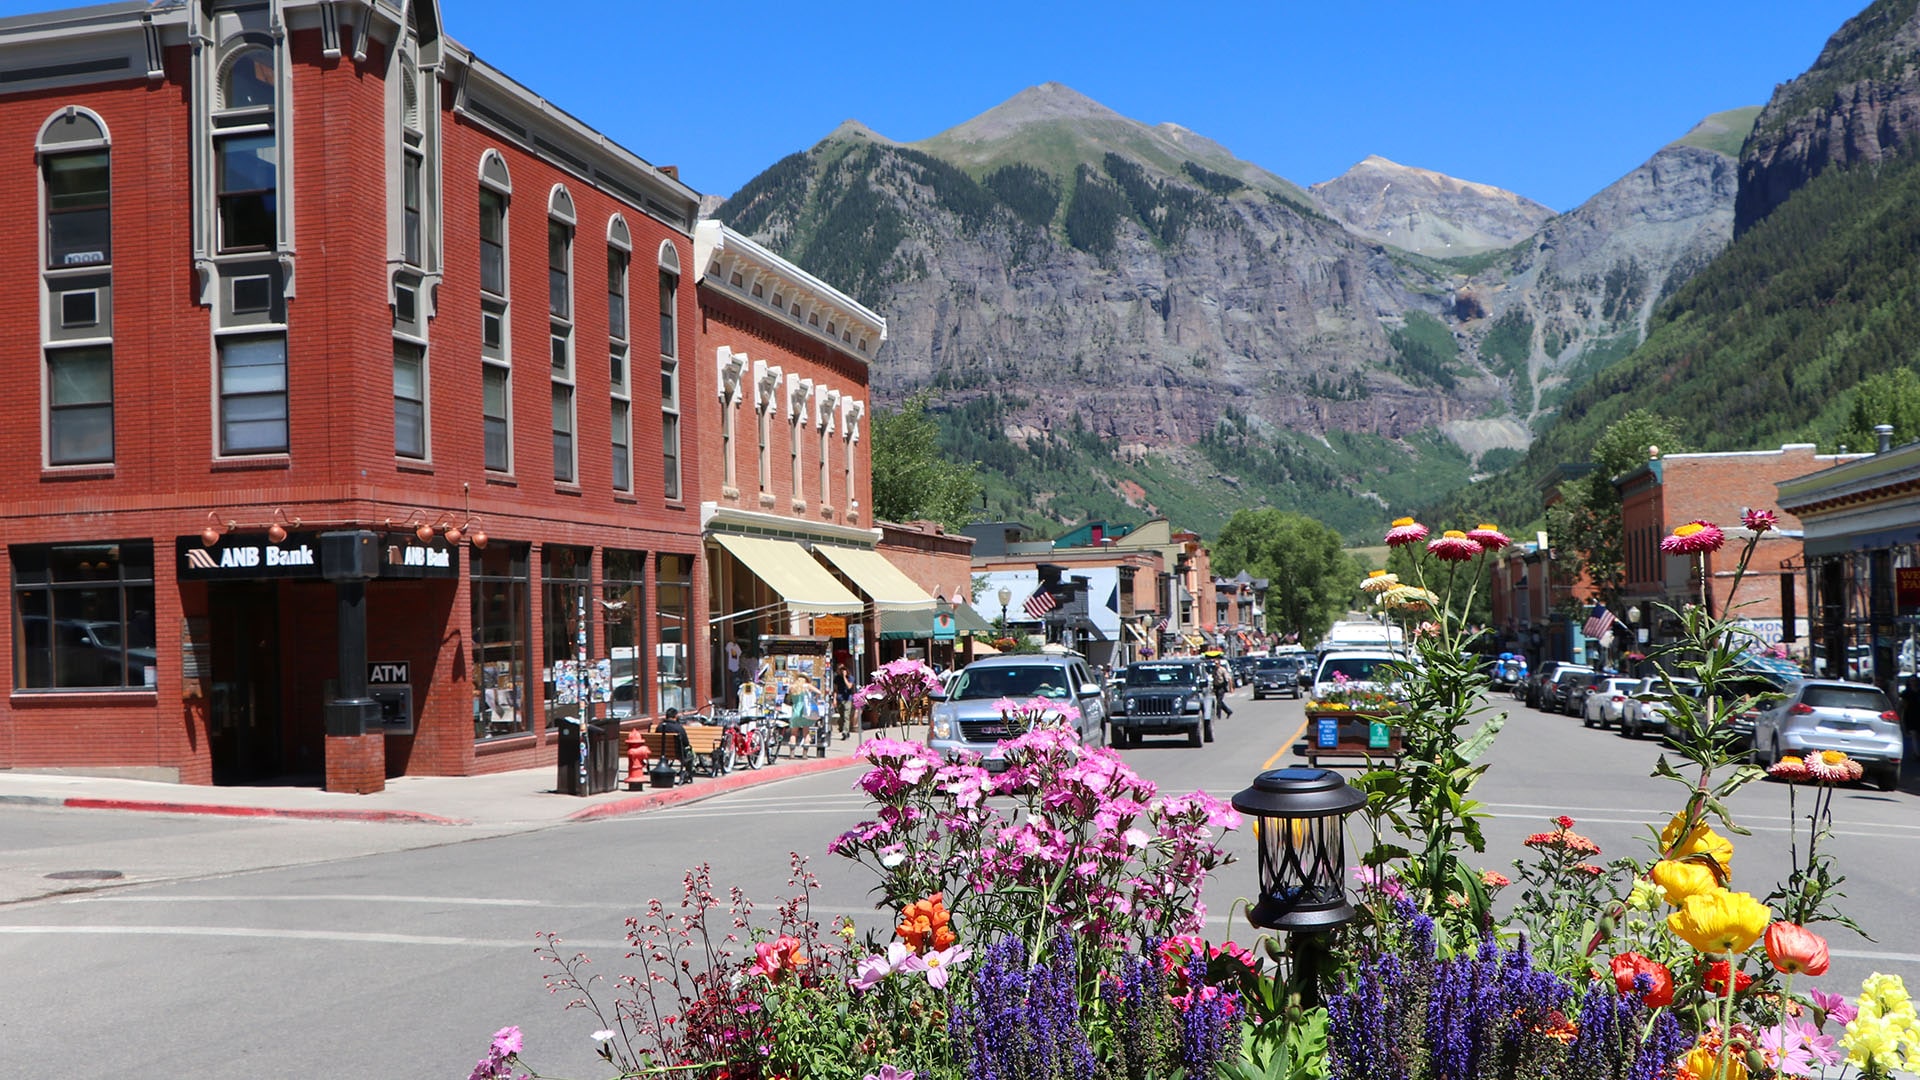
{"x": 1673, "y": 489}
{"x": 302, "y": 270}
{"x": 785, "y": 480}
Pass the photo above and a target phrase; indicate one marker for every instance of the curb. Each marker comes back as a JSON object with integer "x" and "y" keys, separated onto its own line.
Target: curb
{"x": 415, "y": 817}
{"x": 721, "y": 785}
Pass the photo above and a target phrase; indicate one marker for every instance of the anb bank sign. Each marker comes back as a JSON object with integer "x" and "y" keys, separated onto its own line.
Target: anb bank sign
{"x": 255, "y": 557}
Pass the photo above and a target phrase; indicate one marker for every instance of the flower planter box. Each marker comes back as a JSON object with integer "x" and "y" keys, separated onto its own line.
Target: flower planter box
{"x": 1354, "y": 739}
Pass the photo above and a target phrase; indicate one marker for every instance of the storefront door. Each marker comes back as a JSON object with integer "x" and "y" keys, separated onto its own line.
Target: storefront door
{"x": 244, "y": 721}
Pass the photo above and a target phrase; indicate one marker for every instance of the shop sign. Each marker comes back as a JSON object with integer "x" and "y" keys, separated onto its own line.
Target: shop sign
{"x": 834, "y": 626}
{"x": 943, "y": 626}
{"x": 1906, "y": 590}
{"x": 248, "y": 557}
{"x": 402, "y": 555}
{"x": 388, "y": 672}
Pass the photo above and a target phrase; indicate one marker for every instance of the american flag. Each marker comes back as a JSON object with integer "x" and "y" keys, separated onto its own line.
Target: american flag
{"x": 1599, "y": 621}
{"x": 1162, "y": 624}
{"x": 1038, "y": 604}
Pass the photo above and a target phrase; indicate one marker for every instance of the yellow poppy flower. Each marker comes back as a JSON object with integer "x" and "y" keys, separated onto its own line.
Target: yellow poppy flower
{"x": 1700, "y": 840}
{"x": 1703, "y": 1063}
{"x": 1720, "y": 922}
{"x": 1680, "y": 880}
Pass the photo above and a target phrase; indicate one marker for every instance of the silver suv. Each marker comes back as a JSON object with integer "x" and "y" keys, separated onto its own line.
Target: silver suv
{"x": 1822, "y": 714}
{"x": 969, "y": 720}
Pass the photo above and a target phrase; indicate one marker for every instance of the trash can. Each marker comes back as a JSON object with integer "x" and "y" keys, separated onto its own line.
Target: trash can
{"x": 600, "y": 763}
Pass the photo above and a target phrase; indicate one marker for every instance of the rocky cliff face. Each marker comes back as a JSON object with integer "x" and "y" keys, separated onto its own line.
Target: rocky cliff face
{"x": 1052, "y": 266}
{"x": 1858, "y": 103}
{"x": 1428, "y": 212}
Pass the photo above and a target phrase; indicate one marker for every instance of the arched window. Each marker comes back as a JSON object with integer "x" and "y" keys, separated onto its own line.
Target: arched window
{"x": 560, "y": 222}
{"x": 79, "y": 203}
{"x": 619, "y": 349}
{"x": 496, "y": 369}
{"x": 670, "y": 368}
{"x": 246, "y": 165}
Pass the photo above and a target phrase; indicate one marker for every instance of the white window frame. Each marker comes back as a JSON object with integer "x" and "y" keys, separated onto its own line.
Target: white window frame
{"x": 221, "y": 396}
{"x": 52, "y": 346}
{"x": 561, "y": 377}
{"x": 233, "y": 122}
{"x": 426, "y": 411}
{"x": 620, "y": 350}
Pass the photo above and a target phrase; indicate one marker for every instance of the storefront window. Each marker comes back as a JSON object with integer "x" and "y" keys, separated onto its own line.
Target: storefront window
{"x": 83, "y": 616}
{"x": 500, "y": 600}
{"x": 565, "y": 575}
{"x": 624, "y": 605}
{"x": 673, "y": 585}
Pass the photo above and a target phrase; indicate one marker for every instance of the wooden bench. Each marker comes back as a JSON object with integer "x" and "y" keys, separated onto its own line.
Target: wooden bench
{"x": 664, "y": 748}
{"x": 704, "y": 754}
{"x": 1352, "y": 743}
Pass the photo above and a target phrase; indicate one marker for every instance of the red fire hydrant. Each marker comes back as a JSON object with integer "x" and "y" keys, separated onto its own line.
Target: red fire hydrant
{"x": 637, "y": 755}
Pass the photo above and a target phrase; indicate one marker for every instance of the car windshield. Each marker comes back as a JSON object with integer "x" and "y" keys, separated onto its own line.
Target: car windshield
{"x": 1357, "y": 668}
{"x": 1616, "y": 686}
{"x": 1846, "y": 697}
{"x": 1275, "y": 664}
{"x": 1160, "y": 675}
{"x": 1572, "y": 675}
{"x": 1010, "y": 681}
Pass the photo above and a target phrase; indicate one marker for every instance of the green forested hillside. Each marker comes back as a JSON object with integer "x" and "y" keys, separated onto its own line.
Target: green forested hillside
{"x": 1767, "y": 343}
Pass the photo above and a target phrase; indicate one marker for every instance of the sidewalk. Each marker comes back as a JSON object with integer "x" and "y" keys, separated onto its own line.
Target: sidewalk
{"x": 523, "y": 797}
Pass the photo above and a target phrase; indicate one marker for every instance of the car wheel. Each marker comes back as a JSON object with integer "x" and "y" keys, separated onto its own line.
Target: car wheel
{"x": 1773, "y": 751}
{"x": 1586, "y": 718}
{"x": 1258, "y": 696}
{"x": 1193, "y": 737}
{"x": 1629, "y": 728}
{"x": 1888, "y": 778}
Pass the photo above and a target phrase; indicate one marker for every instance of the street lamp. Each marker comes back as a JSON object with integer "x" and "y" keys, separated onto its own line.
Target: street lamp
{"x": 1300, "y": 821}
{"x": 1006, "y": 597}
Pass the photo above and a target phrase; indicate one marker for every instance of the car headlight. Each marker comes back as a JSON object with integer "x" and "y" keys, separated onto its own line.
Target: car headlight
{"x": 942, "y": 727}
{"x": 1190, "y": 704}
{"x": 1127, "y": 705}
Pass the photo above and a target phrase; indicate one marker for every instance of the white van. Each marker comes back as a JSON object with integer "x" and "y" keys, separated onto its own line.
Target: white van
{"x": 1377, "y": 670}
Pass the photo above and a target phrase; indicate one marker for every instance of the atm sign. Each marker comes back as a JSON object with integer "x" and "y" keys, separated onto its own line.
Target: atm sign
{"x": 388, "y": 673}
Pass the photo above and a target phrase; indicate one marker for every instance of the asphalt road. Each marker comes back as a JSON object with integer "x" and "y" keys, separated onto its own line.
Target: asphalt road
{"x": 356, "y": 951}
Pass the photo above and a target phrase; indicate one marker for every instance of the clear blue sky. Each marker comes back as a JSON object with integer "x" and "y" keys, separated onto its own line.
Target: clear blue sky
{"x": 1553, "y": 99}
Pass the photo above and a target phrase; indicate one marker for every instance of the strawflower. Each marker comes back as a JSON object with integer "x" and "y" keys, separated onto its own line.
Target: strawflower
{"x": 1760, "y": 520}
{"x": 1489, "y": 537}
{"x": 1719, "y": 922}
{"x": 1792, "y": 768}
{"x": 1379, "y": 581}
{"x": 1833, "y": 767}
{"x": 1796, "y": 950}
{"x": 1453, "y": 546}
{"x": 1694, "y": 537}
{"x": 1405, "y": 531}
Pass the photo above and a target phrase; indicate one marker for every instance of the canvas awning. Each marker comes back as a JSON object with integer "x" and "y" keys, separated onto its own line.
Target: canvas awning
{"x": 788, "y": 570}
{"x": 871, "y": 573}
{"x": 1139, "y": 634}
{"x": 912, "y": 625}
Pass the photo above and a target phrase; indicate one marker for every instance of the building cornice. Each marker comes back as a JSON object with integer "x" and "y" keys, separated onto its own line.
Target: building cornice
{"x": 1867, "y": 479}
{"x": 717, "y": 518}
{"x": 723, "y": 256}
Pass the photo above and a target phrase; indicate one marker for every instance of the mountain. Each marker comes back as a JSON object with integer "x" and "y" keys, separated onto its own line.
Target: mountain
{"x": 1117, "y": 317}
{"x": 1428, "y": 212}
{"x": 1820, "y": 288}
{"x": 1858, "y": 104}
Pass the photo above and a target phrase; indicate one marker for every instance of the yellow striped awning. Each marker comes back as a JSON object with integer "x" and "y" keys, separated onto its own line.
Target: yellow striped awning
{"x": 871, "y": 573}
{"x": 788, "y": 570}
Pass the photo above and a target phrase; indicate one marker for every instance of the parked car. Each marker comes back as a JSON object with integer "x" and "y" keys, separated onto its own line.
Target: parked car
{"x": 1537, "y": 681}
{"x": 1553, "y": 692}
{"x": 1241, "y": 667}
{"x": 968, "y": 720}
{"x": 1605, "y": 703}
{"x": 1645, "y": 710}
{"x": 1165, "y": 697}
{"x": 1577, "y": 691}
{"x": 1276, "y": 675}
{"x": 1827, "y": 714}
{"x": 1508, "y": 671}
{"x": 1358, "y": 669}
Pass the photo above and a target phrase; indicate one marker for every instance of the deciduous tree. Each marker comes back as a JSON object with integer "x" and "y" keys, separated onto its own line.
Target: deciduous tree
{"x": 911, "y": 478}
{"x": 1310, "y": 576}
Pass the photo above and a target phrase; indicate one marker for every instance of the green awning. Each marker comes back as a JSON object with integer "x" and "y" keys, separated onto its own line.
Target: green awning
{"x": 910, "y": 625}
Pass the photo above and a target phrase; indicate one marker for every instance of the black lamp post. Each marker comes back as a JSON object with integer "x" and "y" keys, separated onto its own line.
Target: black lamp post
{"x": 1300, "y": 823}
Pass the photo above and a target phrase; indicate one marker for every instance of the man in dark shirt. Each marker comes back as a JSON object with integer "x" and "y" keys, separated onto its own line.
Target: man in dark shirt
{"x": 842, "y": 700}
{"x": 670, "y": 725}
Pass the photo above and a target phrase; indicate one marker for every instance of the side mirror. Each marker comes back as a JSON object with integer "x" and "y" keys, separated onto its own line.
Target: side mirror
{"x": 1088, "y": 689}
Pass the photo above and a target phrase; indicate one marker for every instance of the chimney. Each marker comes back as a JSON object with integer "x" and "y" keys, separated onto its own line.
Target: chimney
{"x": 670, "y": 171}
{"x": 1884, "y": 434}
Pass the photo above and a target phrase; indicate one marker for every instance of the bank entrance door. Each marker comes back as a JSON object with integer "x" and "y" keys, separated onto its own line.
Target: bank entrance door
{"x": 244, "y": 725}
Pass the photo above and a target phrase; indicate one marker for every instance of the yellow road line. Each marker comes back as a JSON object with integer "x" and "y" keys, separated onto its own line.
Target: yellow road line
{"x": 1284, "y": 747}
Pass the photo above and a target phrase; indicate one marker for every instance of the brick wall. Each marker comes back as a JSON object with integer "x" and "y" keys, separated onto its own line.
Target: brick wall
{"x": 356, "y": 764}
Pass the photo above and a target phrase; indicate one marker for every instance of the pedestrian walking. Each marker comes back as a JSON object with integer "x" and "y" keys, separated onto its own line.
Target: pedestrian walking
{"x": 1221, "y": 684}
{"x": 843, "y": 700}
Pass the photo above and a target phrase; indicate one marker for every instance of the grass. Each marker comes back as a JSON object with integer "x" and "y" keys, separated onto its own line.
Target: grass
{"x": 1723, "y": 132}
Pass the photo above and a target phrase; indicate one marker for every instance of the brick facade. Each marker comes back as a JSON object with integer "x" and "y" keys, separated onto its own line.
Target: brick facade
{"x": 167, "y": 478}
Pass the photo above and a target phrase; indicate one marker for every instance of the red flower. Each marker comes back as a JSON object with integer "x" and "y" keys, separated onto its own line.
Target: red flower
{"x": 1760, "y": 520}
{"x": 1694, "y": 537}
{"x": 1715, "y": 978}
{"x": 1796, "y": 950}
{"x": 1627, "y": 965}
{"x": 1489, "y": 537}
{"x": 1405, "y": 531}
{"x": 1453, "y": 546}
{"x": 1563, "y": 821}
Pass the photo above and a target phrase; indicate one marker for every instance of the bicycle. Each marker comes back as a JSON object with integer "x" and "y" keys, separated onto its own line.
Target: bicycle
{"x": 744, "y": 745}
